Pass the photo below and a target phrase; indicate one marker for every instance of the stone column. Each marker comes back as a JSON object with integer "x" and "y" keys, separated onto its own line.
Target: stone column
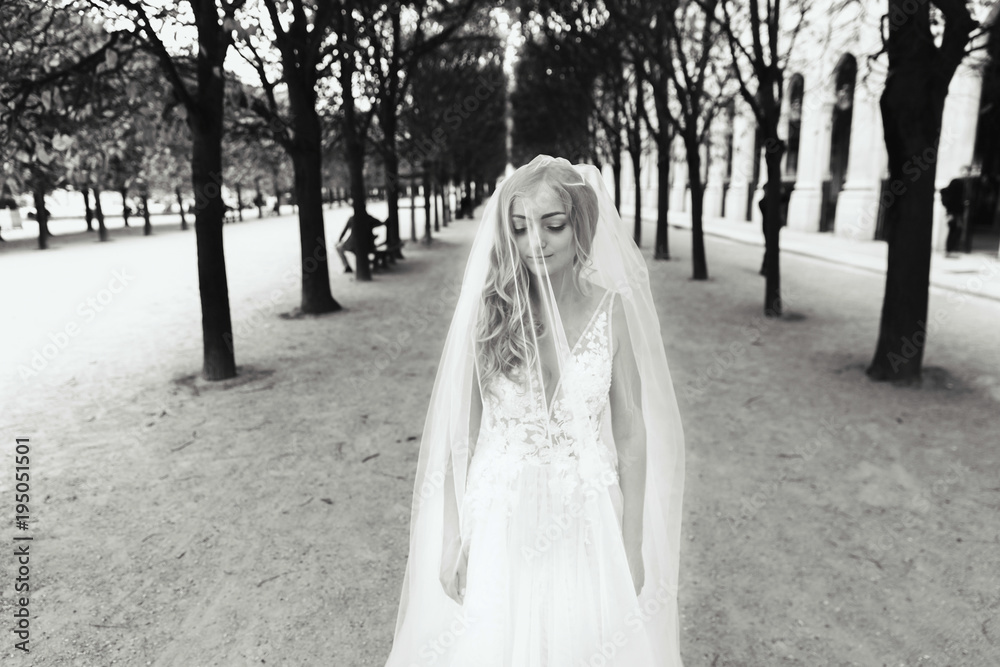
{"x": 814, "y": 155}
{"x": 857, "y": 205}
{"x": 736, "y": 197}
{"x": 678, "y": 190}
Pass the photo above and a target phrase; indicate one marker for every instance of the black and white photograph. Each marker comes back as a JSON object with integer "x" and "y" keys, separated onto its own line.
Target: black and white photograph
{"x": 523, "y": 333}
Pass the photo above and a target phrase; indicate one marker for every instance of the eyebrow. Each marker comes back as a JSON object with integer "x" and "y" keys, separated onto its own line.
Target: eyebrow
{"x": 547, "y": 215}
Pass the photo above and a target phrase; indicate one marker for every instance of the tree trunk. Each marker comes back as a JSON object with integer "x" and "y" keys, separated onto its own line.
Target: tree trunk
{"x": 239, "y": 201}
{"x": 389, "y": 121}
{"x": 699, "y": 264}
{"x": 206, "y": 123}
{"x": 912, "y": 103}
{"x": 125, "y": 208}
{"x": 662, "y": 246}
{"x": 427, "y": 205}
{"x": 89, "y": 212}
{"x": 41, "y": 216}
{"x": 354, "y": 148}
{"x": 413, "y": 211}
{"x": 445, "y": 210}
{"x": 390, "y": 163}
{"x": 180, "y": 205}
{"x": 308, "y": 164}
{"x": 259, "y": 198}
{"x": 277, "y": 192}
{"x": 435, "y": 191}
{"x": 147, "y": 226}
{"x": 636, "y": 174}
{"x": 316, "y": 295}
{"x": 206, "y": 177}
{"x": 772, "y": 221}
{"x": 102, "y": 230}
{"x": 362, "y": 231}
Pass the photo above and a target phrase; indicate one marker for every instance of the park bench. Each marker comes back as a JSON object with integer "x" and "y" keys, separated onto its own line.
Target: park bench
{"x": 384, "y": 254}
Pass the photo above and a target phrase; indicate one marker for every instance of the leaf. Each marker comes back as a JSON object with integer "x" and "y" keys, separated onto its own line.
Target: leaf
{"x": 61, "y": 142}
{"x": 111, "y": 58}
{"x": 42, "y": 154}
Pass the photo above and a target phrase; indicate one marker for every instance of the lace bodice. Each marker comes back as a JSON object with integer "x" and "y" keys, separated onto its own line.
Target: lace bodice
{"x": 519, "y": 430}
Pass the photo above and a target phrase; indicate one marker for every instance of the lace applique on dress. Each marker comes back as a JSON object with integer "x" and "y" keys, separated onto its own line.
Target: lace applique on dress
{"x": 518, "y": 431}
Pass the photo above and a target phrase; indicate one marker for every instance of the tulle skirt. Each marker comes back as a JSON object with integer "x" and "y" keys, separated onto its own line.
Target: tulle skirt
{"x": 548, "y": 582}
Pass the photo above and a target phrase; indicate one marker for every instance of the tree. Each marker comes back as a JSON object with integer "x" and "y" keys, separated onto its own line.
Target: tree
{"x": 759, "y": 40}
{"x": 397, "y": 50}
{"x": 50, "y": 74}
{"x": 463, "y": 85}
{"x": 641, "y": 29}
{"x": 610, "y": 105}
{"x": 691, "y": 66}
{"x": 202, "y": 98}
{"x": 354, "y": 38}
{"x": 552, "y": 102}
{"x": 912, "y": 103}
{"x": 298, "y": 31}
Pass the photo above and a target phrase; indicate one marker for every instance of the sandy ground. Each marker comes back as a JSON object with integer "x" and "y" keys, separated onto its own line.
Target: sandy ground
{"x": 264, "y": 520}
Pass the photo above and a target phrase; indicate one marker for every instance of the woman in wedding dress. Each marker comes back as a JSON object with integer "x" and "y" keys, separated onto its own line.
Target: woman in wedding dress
{"x": 545, "y": 526}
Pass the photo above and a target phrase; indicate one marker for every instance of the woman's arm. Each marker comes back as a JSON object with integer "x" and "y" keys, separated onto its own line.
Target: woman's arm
{"x": 453, "y": 556}
{"x": 629, "y": 430}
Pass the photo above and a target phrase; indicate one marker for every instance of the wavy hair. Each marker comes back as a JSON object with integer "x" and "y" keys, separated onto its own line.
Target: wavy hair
{"x": 504, "y": 344}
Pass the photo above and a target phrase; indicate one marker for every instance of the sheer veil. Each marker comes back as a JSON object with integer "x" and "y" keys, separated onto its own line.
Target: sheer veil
{"x": 521, "y": 311}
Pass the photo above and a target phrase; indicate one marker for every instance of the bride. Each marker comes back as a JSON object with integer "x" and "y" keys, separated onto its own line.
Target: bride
{"x": 545, "y": 526}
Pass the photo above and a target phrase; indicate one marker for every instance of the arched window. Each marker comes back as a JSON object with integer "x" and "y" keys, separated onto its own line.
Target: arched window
{"x": 795, "y": 89}
{"x": 840, "y": 138}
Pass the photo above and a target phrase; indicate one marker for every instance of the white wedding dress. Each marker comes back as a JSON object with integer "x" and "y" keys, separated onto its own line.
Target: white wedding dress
{"x": 548, "y": 583}
{"x": 520, "y": 490}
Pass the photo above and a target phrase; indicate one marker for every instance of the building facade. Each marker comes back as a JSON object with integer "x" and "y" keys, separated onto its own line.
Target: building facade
{"x": 836, "y": 163}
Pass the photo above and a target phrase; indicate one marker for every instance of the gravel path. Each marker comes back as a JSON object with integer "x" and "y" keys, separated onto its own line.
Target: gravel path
{"x": 263, "y": 520}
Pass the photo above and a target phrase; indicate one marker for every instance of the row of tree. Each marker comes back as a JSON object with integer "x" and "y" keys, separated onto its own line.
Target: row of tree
{"x": 326, "y": 83}
{"x": 399, "y": 82}
{"x": 611, "y": 73}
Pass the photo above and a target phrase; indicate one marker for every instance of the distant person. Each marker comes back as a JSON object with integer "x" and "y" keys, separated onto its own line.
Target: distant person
{"x": 350, "y": 243}
{"x": 953, "y": 200}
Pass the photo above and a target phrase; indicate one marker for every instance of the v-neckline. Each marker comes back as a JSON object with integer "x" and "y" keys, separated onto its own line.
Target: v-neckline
{"x": 572, "y": 352}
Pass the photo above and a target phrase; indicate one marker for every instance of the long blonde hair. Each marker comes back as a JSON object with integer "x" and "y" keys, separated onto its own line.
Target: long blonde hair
{"x": 503, "y": 342}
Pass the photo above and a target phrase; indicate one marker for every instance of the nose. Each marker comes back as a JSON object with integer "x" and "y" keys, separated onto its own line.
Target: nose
{"x": 539, "y": 239}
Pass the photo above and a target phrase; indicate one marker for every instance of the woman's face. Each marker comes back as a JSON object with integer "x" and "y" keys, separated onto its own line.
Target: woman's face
{"x": 542, "y": 232}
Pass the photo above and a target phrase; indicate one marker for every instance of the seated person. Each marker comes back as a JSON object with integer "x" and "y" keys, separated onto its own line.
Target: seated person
{"x": 350, "y": 243}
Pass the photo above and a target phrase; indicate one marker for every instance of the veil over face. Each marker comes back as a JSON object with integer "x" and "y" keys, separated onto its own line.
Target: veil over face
{"x": 549, "y": 248}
